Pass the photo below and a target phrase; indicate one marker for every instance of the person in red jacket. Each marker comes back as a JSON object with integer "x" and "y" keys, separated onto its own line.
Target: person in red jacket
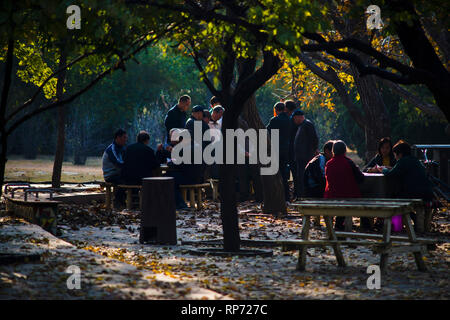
{"x": 342, "y": 177}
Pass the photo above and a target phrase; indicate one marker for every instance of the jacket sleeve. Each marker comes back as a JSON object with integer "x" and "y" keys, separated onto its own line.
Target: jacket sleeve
{"x": 359, "y": 176}
{"x": 113, "y": 157}
{"x": 151, "y": 159}
{"x": 312, "y": 138}
{"x": 371, "y": 164}
{"x": 397, "y": 171}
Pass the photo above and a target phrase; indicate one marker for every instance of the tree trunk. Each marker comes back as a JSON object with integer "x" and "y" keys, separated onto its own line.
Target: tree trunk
{"x": 3, "y": 103}
{"x": 377, "y": 122}
{"x": 227, "y": 187}
{"x": 272, "y": 186}
{"x": 62, "y": 111}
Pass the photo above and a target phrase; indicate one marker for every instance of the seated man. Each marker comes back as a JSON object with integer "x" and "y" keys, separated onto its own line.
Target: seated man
{"x": 342, "y": 178}
{"x": 410, "y": 173}
{"x": 112, "y": 164}
{"x": 183, "y": 173}
{"x": 315, "y": 172}
{"x": 139, "y": 160}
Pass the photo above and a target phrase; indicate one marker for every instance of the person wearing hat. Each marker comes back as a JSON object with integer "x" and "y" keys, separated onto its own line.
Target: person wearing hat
{"x": 197, "y": 115}
{"x": 281, "y": 122}
{"x": 306, "y": 143}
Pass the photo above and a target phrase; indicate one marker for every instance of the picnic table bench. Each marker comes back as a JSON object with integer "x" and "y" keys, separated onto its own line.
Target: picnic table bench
{"x": 41, "y": 211}
{"x": 328, "y": 208}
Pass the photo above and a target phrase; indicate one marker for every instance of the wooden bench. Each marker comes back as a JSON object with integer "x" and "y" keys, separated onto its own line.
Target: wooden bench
{"x": 348, "y": 208}
{"x": 129, "y": 192}
{"x": 40, "y": 211}
{"x": 110, "y": 188}
{"x": 195, "y": 194}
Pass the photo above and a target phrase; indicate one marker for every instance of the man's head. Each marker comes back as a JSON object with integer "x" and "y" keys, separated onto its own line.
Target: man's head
{"x": 217, "y": 113}
{"x": 206, "y": 116}
{"x": 184, "y": 103}
{"x": 279, "y": 108}
{"x": 339, "y": 148}
{"x": 298, "y": 116}
{"x": 328, "y": 149}
{"x": 120, "y": 137}
{"x": 197, "y": 112}
{"x": 401, "y": 149}
{"x": 214, "y": 102}
{"x": 143, "y": 137}
{"x": 290, "y": 107}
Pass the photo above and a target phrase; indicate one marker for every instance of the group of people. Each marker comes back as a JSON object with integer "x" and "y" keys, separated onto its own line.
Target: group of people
{"x": 128, "y": 165}
{"x": 326, "y": 174}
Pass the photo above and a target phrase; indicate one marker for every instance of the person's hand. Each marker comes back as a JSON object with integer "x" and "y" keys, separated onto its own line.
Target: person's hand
{"x": 169, "y": 148}
{"x": 373, "y": 169}
{"x": 159, "y": 147}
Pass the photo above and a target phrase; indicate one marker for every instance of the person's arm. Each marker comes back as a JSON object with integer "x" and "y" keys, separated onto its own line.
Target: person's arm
{"x": 151, "y": 159}
{"x": 314, "y": 139}
{"x": 397, "y": 171}
{"x": 114, "y": 156}
{"x": 371, "y": 164}
{"x": 359, "y": 176}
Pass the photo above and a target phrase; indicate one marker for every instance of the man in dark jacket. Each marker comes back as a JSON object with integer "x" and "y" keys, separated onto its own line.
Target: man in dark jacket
{"x": 139, "y": 160}
{"x": 410, "y": 173}
{"x": 281, "y": 122}
{"x": 306, "y": 144}
{"x": 290, "y": 108}
{"x": 176, "y": 117}
{"x": 197, "y": 116}
{"x": 315, "y": 172}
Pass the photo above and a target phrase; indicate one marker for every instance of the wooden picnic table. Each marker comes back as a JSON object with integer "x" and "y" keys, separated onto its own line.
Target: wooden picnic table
{"x": 328, "y": 208}
{"x": 377, "y": 185}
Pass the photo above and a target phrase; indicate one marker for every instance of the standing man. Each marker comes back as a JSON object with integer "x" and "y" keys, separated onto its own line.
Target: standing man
{"x": 281, "y": 122}
{"x": 290, "y": 108}
{"x": 112, "y": 164}
{"x": 176, "y": 117}
{"x": 305, "y": 145}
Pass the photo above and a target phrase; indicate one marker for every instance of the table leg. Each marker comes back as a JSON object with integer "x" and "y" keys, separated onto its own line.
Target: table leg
{"x": 129, "y": 199}
{"x": 348, "y": 224}
{"x": 420, "y": 219}
{"x": 332, "y": 236}
{"x": 108, "y": 197}
{"x": 386, "y": 240}
{"x": 412, "y": 237}
{"x": 301, "y": 265}
{"x": 192, "y": 198}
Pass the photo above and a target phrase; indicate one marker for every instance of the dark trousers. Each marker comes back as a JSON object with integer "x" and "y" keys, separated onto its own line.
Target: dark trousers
{"x": 301, "y": 164}
{"x": 284, "y": 171}
{"x": 179, "y": 179}
{"x": 293, "y": 170}
{"x": 119, "y": 193}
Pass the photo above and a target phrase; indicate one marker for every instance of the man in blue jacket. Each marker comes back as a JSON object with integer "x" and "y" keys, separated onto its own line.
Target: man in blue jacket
{"x": 112, "y": 163}
{"x": 176, "y": 117}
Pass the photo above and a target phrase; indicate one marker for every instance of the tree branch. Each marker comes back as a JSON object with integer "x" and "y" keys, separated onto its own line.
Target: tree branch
{"x": 428, "y": 108}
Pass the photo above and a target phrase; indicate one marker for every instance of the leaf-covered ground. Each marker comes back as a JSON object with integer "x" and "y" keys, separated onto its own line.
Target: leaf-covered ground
{"x": 104, "y": 242}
